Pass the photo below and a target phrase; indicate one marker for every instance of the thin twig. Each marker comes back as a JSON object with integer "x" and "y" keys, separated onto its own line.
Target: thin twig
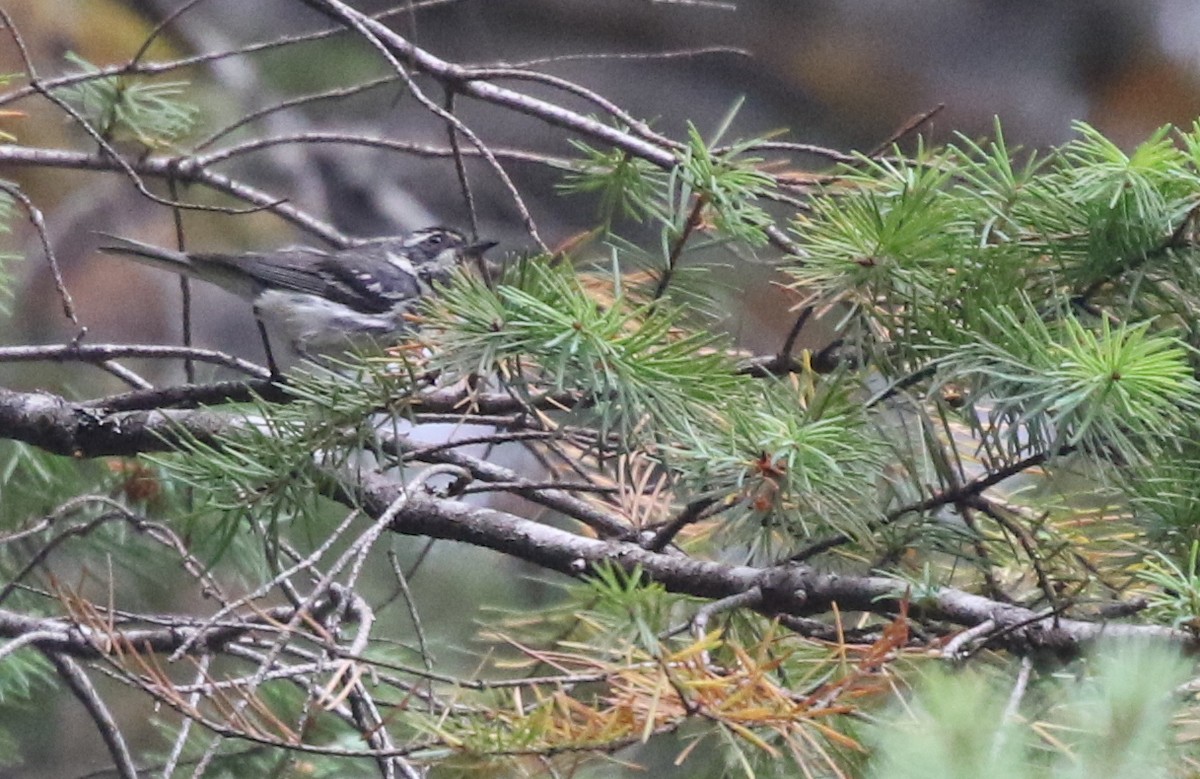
{"x": 185, "y": 284}
{"x": 39, "y": 226}
{"x": 79, "y": 684}
{"x": 690, "y": 224}
{"x": 912, "y": 124}
{"x": 283, "y": 105}
{"x": 955, "y": 648}
{"x": 159, "y": 28}
{"x": 415, "y": 615}
{"x": 789, "y": 343}
{"x": 127, "y": 375}
{"x": 388, "y": 43}
{"x": 948, "y": 497}
{"x": 370, "y": 141}
{"x": 185, "y": 728}
{"x": 186, "y": 171}
{"x": 692, "y": 512}
{"x": 100, "y": 353}
{"x": 464, "y": 183}
{"x": 109, "y": 152}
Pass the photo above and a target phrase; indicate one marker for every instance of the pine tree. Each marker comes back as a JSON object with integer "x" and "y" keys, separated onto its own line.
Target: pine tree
{"x": 958, "y": 541}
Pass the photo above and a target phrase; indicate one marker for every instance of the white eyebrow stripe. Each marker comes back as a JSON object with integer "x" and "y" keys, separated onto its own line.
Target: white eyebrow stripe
{"x": 402, "y": 262}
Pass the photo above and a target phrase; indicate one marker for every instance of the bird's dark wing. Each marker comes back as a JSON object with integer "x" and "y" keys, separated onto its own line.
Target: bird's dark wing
{"x": 364, "y": 279}
{"x": 361, "y": 278}
{"x": 295, "y": 270}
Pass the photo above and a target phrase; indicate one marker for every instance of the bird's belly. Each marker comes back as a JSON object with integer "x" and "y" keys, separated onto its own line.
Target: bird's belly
{"x": 311, "y": 322}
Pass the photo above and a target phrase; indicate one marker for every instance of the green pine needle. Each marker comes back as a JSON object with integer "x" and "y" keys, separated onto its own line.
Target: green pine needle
{"x": 127, "y": 108}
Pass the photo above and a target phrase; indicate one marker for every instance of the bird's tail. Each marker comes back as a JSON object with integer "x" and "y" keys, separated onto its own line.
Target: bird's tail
{"x": 148, "y": 254}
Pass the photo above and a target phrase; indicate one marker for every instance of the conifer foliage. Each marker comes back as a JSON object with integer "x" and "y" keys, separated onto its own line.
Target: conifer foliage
{"x": 958, "y": 540}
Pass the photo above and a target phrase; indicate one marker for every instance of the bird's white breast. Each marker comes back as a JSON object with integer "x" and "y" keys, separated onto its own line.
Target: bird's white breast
{"x": 312, "y": 322}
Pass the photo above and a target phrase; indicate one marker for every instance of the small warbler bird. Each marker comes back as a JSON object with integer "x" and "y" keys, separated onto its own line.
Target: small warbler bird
{"x": 322, "y": 299}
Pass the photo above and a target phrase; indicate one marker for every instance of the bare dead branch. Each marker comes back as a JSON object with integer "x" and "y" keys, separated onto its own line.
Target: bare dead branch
{"x": 79, "y": 684}
{"x": 39, "y": 226}
{"x": 177, "y": 167}
{"x": 100, "y": 353}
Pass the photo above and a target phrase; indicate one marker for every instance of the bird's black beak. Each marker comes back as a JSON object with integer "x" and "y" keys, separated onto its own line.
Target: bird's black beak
{"x": 477, "y": 249}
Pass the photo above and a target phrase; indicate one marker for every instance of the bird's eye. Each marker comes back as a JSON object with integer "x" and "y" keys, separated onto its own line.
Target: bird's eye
{"x": 435, "y": 240}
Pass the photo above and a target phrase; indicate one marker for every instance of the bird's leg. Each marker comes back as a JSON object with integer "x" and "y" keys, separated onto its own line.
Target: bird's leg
{"x": 266, "y": 342}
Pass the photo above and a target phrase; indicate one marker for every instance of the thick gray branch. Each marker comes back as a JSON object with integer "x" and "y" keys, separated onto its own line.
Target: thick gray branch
{"x": 52, "y": 423}
{"x": 49, "y": 422}
{"x": 787, "y": 589}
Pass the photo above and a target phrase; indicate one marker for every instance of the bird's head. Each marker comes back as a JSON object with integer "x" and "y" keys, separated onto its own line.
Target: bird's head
{"x": 443, "y": 248}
